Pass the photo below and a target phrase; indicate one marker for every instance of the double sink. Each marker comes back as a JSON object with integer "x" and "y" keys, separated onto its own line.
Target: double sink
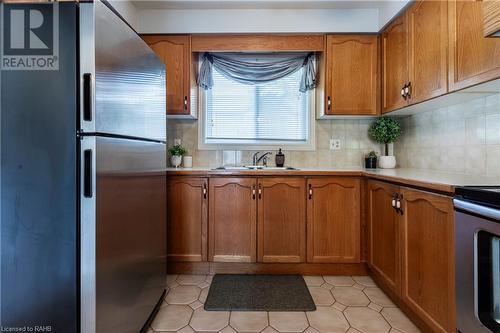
{"x": 253, "y": 167}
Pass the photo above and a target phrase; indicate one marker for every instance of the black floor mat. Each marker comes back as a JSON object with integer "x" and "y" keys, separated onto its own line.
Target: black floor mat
{"x": 230, "y": 292}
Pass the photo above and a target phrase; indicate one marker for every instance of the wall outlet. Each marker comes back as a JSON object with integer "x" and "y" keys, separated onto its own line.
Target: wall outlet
{"x": 334, "y": 144}
{"x": 177, "y": 142}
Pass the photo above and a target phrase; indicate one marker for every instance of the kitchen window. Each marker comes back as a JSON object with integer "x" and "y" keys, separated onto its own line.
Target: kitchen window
{"x": 266, "y": 115}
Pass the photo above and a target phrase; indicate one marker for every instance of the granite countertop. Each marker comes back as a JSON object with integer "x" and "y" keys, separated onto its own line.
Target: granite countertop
{"x": 434, "y": 180}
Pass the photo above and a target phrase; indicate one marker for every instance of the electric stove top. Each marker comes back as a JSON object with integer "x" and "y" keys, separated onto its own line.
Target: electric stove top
{"x": 486, "y": 195}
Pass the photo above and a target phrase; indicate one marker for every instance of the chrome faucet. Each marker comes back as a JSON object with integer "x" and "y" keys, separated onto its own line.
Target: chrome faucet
{"x": 256, "y": 159}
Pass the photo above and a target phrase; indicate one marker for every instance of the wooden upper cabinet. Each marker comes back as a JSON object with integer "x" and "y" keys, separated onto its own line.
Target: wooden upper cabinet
{"x": 281, "y": 220}
{"x": 175, "y": 52}
{"x": 428, "y": 258}
{"x": 333, "y": 220}
{"x": 491, "y": 18}
{"x": 232, "y": 220}
{"x": 186, "y": 219}
{"x": 427, "y": 50}
{"x": 394, "y": 64}
{"x": 352, "y": 80}
{"x": 473, "y": 58}
{"x": 415, "y": 55}
{"x": 384, "y": 235}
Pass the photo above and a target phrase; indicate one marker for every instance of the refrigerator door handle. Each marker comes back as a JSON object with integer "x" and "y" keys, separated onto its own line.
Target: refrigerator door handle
{"x": 87, "y": 97}
{"x": 87, "y": 173}
{"x": 88, "y": 193}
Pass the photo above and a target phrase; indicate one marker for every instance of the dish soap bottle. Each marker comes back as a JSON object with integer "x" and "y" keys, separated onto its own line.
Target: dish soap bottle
{"x": 280, "y": 159}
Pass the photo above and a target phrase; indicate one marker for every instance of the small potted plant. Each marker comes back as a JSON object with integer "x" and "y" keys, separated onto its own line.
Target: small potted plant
{"x": 371, "y": 160}
{"x": 386, "y": 130}
{"x": 176, "y": 153}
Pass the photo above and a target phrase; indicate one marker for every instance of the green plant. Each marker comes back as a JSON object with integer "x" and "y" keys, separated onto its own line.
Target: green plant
{"x": 385, "y": 130}
{"x": 177, "y": 150}
{"x": 372, "y": 154}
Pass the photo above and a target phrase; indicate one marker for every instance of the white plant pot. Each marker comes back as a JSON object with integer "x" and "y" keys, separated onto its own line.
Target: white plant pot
{"x": 175, "y": 161}
{"x": 387, "y": 162}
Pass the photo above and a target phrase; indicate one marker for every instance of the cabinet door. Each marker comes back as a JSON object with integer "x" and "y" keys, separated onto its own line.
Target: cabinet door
{"x": 473, "y": 58}
{"x": 187, "y": 219}
{"x": 281, "y": 220}
{"x": 384, "y": 234}
{"x": 428, "y": 257}
{"x": 394, "y": 65}
{"x": 333, "y": 220}
{"x": 427, "y": 49}
{"x": 352, "y": 75}
{"x": 175, "y": 51}
{"x": 232, "y": 220}
{"x": 491, "y": 15}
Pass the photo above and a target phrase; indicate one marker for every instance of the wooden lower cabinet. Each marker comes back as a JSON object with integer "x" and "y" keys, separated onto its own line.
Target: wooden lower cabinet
{"x": 428, "y": 258}
{"x": 281, "y": 219}
{"x": 411, "y": 252}
{"x": 384, "y": 255}
{"x": 265, "y": 219}
{"x": 187, "y": 219}
{"x": 333, "y": 220}
{"x": 232, "y": 220}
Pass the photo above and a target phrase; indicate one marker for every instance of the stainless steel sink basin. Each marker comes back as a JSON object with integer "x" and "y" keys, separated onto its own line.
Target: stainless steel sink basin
{"x": 253, "y": 167}
{"x": 277, "y": 168}
{"x": 231, "y": 168}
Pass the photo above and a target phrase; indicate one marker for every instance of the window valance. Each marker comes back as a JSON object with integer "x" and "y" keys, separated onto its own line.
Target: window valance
{"x": 256, "y": 68}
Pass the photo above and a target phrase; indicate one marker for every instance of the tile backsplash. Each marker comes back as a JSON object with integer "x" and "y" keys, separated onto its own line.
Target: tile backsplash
{"x": 463, "y": 138}
{"x": 353, "y": 134}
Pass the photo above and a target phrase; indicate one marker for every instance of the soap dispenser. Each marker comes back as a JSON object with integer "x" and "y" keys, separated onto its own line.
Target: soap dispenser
{"x": 280, "y": 159}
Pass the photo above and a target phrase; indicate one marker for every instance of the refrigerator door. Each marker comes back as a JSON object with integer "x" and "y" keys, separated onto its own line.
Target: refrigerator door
{"x": 124, "y": 278}
{"x": 39, "y": 191}
{"x": 123, "y": 82}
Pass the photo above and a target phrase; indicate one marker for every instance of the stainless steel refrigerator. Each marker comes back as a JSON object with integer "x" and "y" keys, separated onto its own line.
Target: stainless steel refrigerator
{"x": 83, "y": 195}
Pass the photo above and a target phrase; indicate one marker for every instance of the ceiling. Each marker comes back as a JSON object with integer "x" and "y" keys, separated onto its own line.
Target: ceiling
{"x": 264, "y": 4}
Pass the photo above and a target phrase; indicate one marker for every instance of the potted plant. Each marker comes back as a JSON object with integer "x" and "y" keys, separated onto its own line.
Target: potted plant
{"x": 176, "y": 153}
{"x": 371, "y": 160}
{"x": 386, "y": 130}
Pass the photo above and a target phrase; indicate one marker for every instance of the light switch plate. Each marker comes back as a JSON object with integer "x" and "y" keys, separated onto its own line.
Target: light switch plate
{"x": 335, "y": 144}
{"x": 177, "y": 142}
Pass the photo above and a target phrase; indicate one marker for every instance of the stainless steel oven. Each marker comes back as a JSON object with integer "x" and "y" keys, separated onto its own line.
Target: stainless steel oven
{"x": 477, "y": 253}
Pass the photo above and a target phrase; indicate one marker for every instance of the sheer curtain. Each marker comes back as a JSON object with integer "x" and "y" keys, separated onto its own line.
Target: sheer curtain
{"x": 256, "y": 68}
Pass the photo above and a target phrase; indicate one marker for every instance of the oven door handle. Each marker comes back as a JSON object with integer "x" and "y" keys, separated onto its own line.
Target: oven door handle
{"x": 477, "y": 209}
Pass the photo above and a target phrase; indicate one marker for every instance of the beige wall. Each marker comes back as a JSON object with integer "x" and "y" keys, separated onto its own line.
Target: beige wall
{"x": 462, "y": 138}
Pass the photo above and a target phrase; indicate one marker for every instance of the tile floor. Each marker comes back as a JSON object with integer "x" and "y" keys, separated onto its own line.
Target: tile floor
{"x": 344, "y": 304}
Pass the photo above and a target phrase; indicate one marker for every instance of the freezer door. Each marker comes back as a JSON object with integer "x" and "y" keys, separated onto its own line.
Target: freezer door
{"x": 123, "y": 82}
{"x": 128, "y": 267}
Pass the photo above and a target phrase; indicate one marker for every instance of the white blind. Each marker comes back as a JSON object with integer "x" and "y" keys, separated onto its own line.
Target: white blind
{"x": 239, "y": 113}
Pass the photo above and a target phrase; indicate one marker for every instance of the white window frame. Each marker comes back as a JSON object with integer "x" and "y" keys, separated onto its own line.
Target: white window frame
{"x": 310, "y": 144}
